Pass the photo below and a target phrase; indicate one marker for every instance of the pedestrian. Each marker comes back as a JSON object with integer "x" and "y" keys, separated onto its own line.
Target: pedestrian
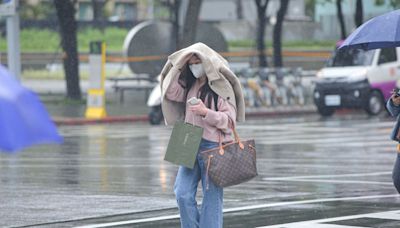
{"x": 198, "y": 71}
{"x": 393, "y": 106}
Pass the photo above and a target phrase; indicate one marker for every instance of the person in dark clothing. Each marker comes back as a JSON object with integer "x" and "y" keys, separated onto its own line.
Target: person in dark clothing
{"x": 393, "y": 106}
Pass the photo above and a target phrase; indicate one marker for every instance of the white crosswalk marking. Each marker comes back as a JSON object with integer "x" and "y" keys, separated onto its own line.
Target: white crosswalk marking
{"x": 309, "y": 165}
{"x": 321, "y": 223}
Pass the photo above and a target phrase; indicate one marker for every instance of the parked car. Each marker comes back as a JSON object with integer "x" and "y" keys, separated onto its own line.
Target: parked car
{"x": 355, "y": 78}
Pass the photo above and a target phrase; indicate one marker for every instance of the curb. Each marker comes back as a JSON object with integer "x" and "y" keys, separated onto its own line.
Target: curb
{"x": 112, "y": 119}
{"x": 283, "y": 111}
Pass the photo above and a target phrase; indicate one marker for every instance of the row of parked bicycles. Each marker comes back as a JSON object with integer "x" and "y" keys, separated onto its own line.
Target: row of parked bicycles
{"x": 272, "y": 86}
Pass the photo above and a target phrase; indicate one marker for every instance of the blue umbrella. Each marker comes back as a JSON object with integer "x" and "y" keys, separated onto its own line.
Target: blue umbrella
{"x": 23, "y": 119}
{"x": 379, "y": 32}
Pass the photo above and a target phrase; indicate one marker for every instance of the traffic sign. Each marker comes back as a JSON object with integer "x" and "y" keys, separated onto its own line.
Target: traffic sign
{"x": 8, "y": 8}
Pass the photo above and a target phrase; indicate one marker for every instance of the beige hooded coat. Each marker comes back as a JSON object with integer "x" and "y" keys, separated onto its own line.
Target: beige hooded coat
{"x": 220, "y": 78}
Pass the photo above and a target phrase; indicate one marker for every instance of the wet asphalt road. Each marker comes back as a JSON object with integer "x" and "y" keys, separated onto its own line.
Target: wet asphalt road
{"x": 337, "y": 169}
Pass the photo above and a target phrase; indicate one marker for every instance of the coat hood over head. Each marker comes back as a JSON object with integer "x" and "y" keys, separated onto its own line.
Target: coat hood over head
{"x": 220, "y": 78}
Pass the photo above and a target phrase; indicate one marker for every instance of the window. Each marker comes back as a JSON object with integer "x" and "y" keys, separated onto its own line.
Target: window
{"x": 387, "y": 55}
{"x": 351, "y": 57}
{"x": 85, "y": 11}
{"x": 125, "y": 11}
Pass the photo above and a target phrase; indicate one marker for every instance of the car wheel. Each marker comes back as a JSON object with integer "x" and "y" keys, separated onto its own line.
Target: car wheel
{"x": 374, "y": 103}
{"x": 325, "y": 111}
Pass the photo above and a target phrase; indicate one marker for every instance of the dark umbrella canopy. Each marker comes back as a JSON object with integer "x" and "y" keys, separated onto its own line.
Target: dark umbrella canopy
{"x": 379, "y": 32}
{"x": 24, "y": 120}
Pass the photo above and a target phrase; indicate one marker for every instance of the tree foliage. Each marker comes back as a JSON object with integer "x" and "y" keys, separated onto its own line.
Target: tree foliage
{"x": 185, "y": 34}
{"x": 28, "y": 11}
{"x": 395, "y": 4}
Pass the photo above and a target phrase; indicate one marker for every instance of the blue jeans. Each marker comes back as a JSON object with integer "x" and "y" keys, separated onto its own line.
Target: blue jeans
{"x": 396, "y": 173}
{"x": 185, "y": 190}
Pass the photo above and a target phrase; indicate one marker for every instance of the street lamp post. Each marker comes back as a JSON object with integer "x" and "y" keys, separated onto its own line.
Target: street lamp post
{"x": 8, "y": 8}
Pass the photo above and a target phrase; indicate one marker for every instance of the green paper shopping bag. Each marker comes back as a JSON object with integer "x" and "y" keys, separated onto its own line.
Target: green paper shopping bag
{"x": 184, "y": 144}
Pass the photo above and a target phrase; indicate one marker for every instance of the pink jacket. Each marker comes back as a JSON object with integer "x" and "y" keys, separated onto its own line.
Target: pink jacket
{"x": 215, "y": 122}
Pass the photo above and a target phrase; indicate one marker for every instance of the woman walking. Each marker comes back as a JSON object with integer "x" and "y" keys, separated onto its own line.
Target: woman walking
{"x": 393, "y": 105}
{"x": 200, "y": 72}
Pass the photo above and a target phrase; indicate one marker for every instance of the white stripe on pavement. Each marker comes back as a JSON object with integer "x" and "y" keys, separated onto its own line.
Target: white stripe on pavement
{"x": 315, "y": 223}
{"x": 245, "y": 208}
{"x": 342, "y": 181}
{"x": 329, "y": 176}
{"x": 153, "y": 219}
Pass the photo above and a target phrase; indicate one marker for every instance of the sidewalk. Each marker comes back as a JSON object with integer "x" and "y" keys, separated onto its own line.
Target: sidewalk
{"x": 250, "y": 113}
{"x": 132, "y": 109}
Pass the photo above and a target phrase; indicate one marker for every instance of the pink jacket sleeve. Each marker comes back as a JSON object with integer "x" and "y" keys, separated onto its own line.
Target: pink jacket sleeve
{"x": 175, "y": 92}
{"x": 223, "y": 118}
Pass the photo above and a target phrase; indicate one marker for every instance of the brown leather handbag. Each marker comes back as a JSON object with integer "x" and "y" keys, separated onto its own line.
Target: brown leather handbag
{"x": 232, "y": 163}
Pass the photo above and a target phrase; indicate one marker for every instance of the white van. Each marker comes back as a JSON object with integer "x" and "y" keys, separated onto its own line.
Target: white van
{"x": 354, "y": 78}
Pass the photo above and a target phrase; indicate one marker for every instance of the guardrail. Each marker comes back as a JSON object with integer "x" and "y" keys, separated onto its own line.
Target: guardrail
{"x": 284, "y": 86}
{"x": 46, "y": 58}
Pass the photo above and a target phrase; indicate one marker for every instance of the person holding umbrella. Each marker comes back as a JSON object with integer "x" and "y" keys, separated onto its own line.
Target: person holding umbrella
{"x": 382, "y": 32}
{"x": 24, "y": 120}
{"x": 393, "y": 106}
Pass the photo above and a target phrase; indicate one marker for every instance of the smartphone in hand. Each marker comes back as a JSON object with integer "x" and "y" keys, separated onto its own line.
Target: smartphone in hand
{"x": 193, "y": 101}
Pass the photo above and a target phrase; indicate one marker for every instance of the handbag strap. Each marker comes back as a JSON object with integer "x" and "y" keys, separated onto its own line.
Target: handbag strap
{"x": 237, "y": 139}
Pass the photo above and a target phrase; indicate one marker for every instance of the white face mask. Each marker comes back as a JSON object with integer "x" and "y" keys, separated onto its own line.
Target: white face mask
{"x": 197, "y": 70}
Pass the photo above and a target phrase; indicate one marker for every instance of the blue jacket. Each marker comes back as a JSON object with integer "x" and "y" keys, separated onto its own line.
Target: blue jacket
{"x": 394, "y": 111}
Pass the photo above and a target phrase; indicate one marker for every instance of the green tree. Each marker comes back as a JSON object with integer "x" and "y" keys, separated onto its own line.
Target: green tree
{"x": 261, "y": 23}
{"x": 310, "y": 8}
{"x": 40, "y": 11}
{"x": 184, "y": 35}
{"x": 173, "y": 8}
{"x": 239, "y": 9}
{"x": 341, "y": 19}
{"x": 395, "y": 4}
{"x": 188, "y": 35}
{"x": 68, "y": 29}
{"x": 98, "y": 13}
{"x": 358, "y": 17}
{"x": 277, "y": 36}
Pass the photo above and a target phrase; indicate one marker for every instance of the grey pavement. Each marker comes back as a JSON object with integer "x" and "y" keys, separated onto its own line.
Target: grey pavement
{"x": 310, "y": 168}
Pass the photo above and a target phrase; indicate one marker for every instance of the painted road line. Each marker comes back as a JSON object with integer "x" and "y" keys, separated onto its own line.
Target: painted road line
{"x": 128, "y": 222}
{"x": 244, "y": 208}
{"x": 323, "y": 200}
{"x": 341, "y": 181}
{"x": 329, "y": 176}
{"x": 316, "y": 223}
{"x": 394, "y": 215}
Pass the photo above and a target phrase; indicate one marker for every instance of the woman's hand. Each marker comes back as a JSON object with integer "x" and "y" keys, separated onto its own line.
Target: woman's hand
{"x": 199, "y": 109}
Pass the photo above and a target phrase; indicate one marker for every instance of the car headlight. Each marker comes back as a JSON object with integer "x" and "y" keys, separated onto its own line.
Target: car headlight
{"x": 319, "y": 74}
{"x": 317, "y": 95}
